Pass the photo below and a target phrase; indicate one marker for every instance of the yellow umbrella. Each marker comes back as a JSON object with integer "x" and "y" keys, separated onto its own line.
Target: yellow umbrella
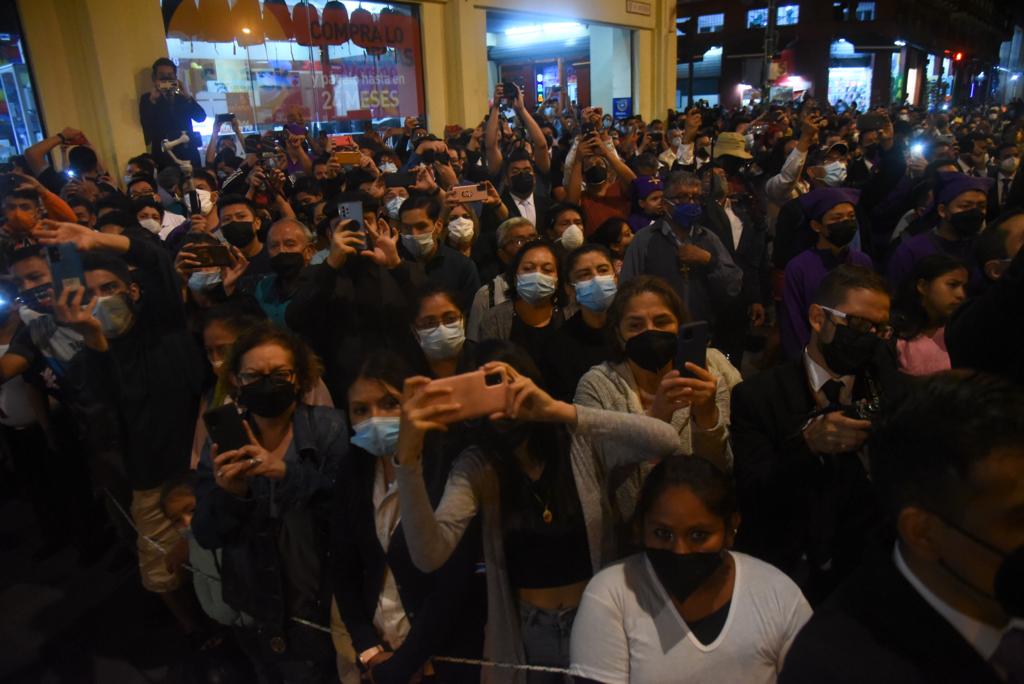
{"x": 247, "y": 22}
{"x": 277, "y": 21}
{"x": 215, "y": 21}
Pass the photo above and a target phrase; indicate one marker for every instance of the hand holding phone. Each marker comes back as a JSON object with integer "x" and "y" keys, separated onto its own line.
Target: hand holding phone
{"x": 478, "y": 393}
{"x": 225, "y": 428}
{"x": 65, "y": 267}
{"x": 462, "y": 194}
{"x": 692, "y": 347}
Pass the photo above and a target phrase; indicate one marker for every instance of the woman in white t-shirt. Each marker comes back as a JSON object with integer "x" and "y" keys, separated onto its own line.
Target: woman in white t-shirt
{"x": 687, "y": 609}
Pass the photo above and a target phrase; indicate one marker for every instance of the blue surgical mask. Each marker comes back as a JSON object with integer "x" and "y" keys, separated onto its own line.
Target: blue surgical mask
{"x": 687, "y": 215}
{"x": 442, "y": 342}
{"x": 201, "y": 281}
{"x": 534, "y": 287}
{"x": 597, "y": 293}
{"x": 378, "y": 436}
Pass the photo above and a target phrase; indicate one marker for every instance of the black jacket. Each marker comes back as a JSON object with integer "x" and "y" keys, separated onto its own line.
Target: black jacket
{"x": 541, "y": 203}
{"x": 751, "y": 254}
{"x": 802, "y": 512}
{"x": 344, "y": 313}
{"x": 878, "y": 629}
{"x": 446, "y": 615}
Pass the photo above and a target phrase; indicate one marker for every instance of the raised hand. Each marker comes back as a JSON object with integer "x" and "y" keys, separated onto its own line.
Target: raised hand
{"x": 345, "y": 241}
{"x": 229, "y": 275}
{"x": 385, "y": 245}
{"x": 54, "y": 232}
{"x": 424, "y": 408}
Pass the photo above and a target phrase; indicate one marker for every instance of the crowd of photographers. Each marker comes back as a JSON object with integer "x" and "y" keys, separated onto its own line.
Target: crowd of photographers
{"x": 730, "y": 395}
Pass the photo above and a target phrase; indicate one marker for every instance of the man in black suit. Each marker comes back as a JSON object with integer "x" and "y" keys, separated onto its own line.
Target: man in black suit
{"x": 807, "y": 505}
{"x": 522, "y": 195}
{"x": 1000, "y": 197}
{"x": 734, "y": 216}
{"x": 946, "y": 603}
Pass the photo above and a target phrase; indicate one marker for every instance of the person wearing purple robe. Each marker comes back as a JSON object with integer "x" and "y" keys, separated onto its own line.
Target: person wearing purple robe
{"x": 648, "y": 191}
{"x": 960, "y": 202}
{"x": 831, "y": 213}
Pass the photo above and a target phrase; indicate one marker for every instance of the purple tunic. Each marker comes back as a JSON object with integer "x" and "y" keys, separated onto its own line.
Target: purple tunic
{"x": 918, "y": 247}
{"x": 804, "y": 274}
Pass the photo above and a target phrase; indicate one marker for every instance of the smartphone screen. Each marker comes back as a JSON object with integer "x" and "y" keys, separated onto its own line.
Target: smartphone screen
{"x": 65, "y": 266}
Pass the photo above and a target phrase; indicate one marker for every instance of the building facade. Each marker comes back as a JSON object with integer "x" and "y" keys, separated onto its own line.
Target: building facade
{"x": 437, "y": 60}
{"x": 927, "y": 52}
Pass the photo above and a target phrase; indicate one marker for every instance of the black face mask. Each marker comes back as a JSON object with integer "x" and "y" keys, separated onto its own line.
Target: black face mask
{"x": 1008, "y": 584}
{"x": 652, "y": 349}
{"x": 849, "y": 351}
{"x": 522, "y": 184}
{"x": 267, "y": 398}
{"x": 595, "y": 175}
{"x": 870, "y": 150}
{"x": 841, "y": 233}
{"x": 968, "y": 223}
{"x": 682, "y": 573}
{"x": 287, "y": 264}
{"x": 32, "y": 296}
{"x": 238, "y": 233}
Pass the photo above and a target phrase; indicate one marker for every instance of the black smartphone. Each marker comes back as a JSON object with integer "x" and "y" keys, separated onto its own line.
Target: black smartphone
{"x": 192, "y": 203}
{"x": 692, "y": 347}
{"x": 350, "y": 208}
{"x": 210, "y": 254}
{"x": 510, "y": 91}
{"x": 65, "y": 267}
{"x": 399, "y": 179}
{"x": 225, "y": 427}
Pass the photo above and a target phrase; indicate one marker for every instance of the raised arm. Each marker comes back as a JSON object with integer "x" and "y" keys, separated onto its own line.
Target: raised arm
{"x": 541, "y": 157}
{"x": 492, "y": 148}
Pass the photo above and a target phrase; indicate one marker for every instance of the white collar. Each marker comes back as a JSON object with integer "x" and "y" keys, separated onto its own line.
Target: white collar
{"x": 818, "y": 375}
{"x": 521, "y": 201}
{"x": 983, "y": 638}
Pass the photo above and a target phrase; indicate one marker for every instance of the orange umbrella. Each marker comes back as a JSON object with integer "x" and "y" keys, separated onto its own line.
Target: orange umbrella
{"x": 334, "y": 23}
{"x": 306, "y": 21}
{"x": 215, "y": 21}
{"x": 277, "y": 22}
{"x": 185, "y": 22}
{"x": 247, "y": 22}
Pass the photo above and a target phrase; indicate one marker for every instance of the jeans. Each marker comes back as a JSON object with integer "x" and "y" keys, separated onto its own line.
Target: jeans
{"x": 546, "y": 636}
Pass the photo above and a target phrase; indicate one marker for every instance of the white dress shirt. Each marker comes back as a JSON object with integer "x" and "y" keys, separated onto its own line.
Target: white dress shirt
{"x": 527, "y": 209}
{"x": 389, "y": 619}
{"x": 735, "y": 223}
{"x": 818, "y": 375}
{"x": 983, "y": 638}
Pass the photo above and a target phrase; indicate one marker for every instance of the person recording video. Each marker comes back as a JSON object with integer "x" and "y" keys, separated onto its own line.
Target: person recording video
{"x": 168, "y": 110}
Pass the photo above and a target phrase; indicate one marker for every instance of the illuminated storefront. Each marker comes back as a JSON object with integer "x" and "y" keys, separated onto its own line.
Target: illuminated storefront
{"x": 338, "y": 65}
{"x": 20, "y": 124}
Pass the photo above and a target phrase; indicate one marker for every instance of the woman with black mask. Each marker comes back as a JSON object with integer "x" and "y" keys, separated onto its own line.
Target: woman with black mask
{"x": 687, "y": 608}
{"x": 541, "y": 512}
{"x": 265, "y": 505}
{"x": 643, "y": 325}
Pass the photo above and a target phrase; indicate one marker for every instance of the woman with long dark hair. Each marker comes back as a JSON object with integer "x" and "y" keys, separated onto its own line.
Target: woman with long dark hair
{"x": 925, "y": 302}
{"x": 541, "y": 513}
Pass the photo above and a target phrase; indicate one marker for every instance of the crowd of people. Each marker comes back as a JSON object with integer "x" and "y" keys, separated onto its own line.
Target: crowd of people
{"x": 758, "y": 371}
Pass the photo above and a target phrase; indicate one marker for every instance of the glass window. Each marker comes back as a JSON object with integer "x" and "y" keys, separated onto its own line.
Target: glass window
{"x": 757, "y": 18}
{"x": 20, "y": 127}
{"x": 865, "y": 11}
{"x": 350, "y": 66}
{"x": 710, "y": 23}
{"x": 788, "y": 15}
{"x": 682, "y": 25}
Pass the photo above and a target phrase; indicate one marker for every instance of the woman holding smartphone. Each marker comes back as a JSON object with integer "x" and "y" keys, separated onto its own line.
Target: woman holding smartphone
{"x": 397, "y": 615}
{"x": 533, "y": 312}
{"x": 264, "y": 505}
{"x": 540, "y": 518}
{"x": 687, "y": 609}
{"x": 640, "y": 378}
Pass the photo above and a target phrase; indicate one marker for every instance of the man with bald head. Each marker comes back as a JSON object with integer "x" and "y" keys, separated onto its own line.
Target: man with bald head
{"x": 290, "y": 247}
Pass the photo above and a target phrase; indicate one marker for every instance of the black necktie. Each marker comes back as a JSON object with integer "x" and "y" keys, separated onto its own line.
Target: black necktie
{"x": 1006, "y": 191}
{"x": 832, "y": 388}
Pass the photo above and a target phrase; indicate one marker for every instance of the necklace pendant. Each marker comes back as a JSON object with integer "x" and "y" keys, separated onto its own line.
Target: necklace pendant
{"x": 547, "y": 517}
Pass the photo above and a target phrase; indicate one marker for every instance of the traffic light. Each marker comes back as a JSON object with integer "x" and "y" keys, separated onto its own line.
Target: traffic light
{"x": 958, "y": 57}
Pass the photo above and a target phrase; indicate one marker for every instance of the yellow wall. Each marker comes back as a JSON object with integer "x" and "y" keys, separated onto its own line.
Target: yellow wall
{"x": 91, "y": 60}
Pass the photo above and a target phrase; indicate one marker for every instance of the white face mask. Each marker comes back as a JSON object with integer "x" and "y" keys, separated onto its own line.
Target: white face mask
{"x": 421, "y": 245}
{"x": 460, "y": 230}
{"x": 835, "y": 174}
{"x": 388, "y": 167}
{"x": 442, "y": 342}
{"x": 150, "y": 224}
{"x": 393, "y": 205}
{"x": 572, "y": 237}
{"x": 205, "y": 201}
{"x": 114, "y": 314}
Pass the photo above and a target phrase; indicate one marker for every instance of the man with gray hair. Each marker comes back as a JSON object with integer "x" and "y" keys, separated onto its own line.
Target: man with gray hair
{"x": 681, "y": 250}
{"x": 290, "y": 246}
{"x": 512, "y": 234}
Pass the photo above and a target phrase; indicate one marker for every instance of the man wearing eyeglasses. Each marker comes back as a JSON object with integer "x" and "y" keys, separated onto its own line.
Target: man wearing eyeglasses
{"x": 798, "y": 432}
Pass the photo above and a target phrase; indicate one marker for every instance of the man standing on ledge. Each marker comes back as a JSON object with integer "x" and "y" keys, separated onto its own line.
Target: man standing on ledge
{"x": 168, "y": 110}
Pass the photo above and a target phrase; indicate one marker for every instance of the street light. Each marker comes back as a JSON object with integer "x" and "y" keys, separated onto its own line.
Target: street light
{"x": 900, "y": 43}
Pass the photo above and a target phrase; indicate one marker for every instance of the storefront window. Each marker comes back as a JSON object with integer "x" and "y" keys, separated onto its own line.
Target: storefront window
{"x": 710, "y": 23}
{"x": 341, "y": 66}
{"x": 849, "y": 74}
{"x": 757, "y": 18}
{"x": 787, "y": 15}
{"x": 20, "y": 124}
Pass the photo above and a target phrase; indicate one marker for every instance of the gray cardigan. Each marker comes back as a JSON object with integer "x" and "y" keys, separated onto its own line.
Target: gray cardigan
{"x": 611, "y": 386}
{"x": 600, "y": 441}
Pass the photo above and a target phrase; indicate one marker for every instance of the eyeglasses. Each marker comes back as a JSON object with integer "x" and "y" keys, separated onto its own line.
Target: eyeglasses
{"x": 518, "y": 242}
{"x": 433, "y": 321}
{"x": 681, "y": 199}
{"x": 281, "y": 375}
{"x": 863, "y": 325}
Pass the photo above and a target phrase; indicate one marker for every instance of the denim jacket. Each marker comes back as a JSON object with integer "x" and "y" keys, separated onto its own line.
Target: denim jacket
{"x": 274, "y": 541}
